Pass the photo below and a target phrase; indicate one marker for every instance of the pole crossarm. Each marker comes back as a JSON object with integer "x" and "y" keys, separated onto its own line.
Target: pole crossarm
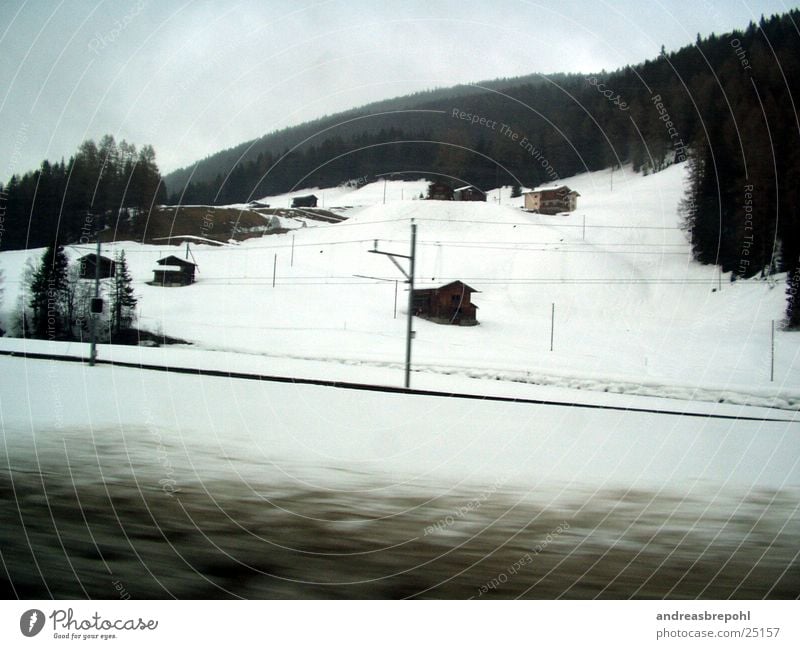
{"x": 393, "y": 257}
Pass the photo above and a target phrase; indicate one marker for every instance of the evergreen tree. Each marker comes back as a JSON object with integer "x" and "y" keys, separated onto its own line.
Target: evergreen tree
{"x": 49, "y": 294}
{"x": 793, "y": 298}
{"x": 516, "y": 190}
{"x": 123, "y": 299}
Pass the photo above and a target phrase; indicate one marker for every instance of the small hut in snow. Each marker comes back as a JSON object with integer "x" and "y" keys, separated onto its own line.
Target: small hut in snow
{"x": 448, "y": 304}
{"x": 440, "y": 192}
{"x": 174, "y": 271}
{"x": 88, "y": 266}
{"x": 468, "y": 193}
{"x": 309, "y": 200}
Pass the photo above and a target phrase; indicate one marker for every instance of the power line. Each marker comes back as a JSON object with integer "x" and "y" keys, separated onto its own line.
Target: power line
{"x": 337, "y": 281}
{"x": 452, "y": 243}
{"x": 555, "y": 225}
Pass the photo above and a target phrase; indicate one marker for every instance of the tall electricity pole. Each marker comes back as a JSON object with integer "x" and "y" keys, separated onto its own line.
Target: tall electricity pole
{"x": 410, "y": 281}
{"x": 96, "y": 305}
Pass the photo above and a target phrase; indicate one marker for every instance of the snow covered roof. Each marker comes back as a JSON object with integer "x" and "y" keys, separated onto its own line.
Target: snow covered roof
{"x": 92, "y": 257}
{"x": 467, "y": 288}
{"x": 551, "y": 188}
{"x": 172, "y": 260}
{"x": 189, "y": 237}
{"x": 461, "y": 189}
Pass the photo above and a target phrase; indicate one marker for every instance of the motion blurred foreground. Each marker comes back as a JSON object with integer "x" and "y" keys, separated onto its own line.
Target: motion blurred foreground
{"x": 101, "y": 532}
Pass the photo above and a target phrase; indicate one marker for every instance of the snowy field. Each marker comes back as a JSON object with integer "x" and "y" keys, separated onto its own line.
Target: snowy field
{"x": 189, "y": 486}
{"x": 182, "y": 485}
{"x": 633, "y": 313}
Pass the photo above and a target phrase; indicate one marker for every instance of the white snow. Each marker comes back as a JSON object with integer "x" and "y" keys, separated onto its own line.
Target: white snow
{"x": 633, "y": 313}
{"x": 217, "y": 428}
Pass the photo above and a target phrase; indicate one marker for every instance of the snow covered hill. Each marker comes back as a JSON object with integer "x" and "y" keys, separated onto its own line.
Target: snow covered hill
{"x": 633, "y": 312}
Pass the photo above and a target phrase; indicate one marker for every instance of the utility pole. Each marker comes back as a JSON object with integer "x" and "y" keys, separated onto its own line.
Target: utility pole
{"x": 96, "y": 304}
{"x": 187, "y": 250}
{"x": 395, "y": 299}
{"x": 409, "y": 329}
{"x": 274, "y": 266}
{"x": 552, "y": 323}
{"x": 772, "y": 354}
{"x": 291, "y": 263}
{"x": 384, "y": 190}
{"x": 583, "y": 236}
{"x": 410, "y": 281}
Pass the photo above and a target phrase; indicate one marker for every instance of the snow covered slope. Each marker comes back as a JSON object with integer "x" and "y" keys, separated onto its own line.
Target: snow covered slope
{"x": 633, "y": 313}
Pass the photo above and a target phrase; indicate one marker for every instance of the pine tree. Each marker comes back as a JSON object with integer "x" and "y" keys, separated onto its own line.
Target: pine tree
{"x": 516, "y": 190}
{"x": 48, "y": 295}
{"x": 793, "y": 298}
{"x": 123, "y": 299}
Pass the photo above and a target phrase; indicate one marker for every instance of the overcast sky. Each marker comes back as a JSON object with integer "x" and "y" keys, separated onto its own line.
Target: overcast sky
{"x": 191, "y": 77}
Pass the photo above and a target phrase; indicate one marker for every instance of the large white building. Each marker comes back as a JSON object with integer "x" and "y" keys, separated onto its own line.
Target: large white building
{"x": 551, "y": 200}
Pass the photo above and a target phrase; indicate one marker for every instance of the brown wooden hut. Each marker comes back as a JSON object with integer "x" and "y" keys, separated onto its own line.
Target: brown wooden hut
{"x": 174, "y": 271}
{"x": 88, "y": 265}
{"x": 440, "y": 192}
{"x": 310, "y": 200}
{"x": 448, "y": 304}
{"x": 468, "y": 193}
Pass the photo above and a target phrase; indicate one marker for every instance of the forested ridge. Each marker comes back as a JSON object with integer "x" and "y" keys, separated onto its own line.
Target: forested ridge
{"x": 727, "y": 103}
{"x": 66, "y": 201}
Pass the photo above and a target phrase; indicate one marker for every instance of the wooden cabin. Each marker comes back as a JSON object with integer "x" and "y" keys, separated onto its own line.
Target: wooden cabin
{"x": 88, "y": 266}
{"x": 174, "y": 271}
{"x": 551, "y": 200}
{"x": 310, "y": 200}
{"x": 440, "y": 192}
{"x": 468, "y": 193}
{"x": 448, "y": 304}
